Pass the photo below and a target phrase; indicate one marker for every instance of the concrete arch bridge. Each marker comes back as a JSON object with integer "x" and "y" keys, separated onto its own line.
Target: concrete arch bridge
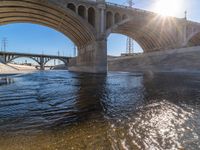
{"x": 88, "y": 23}
{"x": 41, "y": 60}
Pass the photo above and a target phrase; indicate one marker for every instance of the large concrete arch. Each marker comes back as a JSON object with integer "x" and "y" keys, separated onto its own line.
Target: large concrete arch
{"x": 63, "y": 18}
{"x": 47, "y": 14}
{"x": 152, "y": 36}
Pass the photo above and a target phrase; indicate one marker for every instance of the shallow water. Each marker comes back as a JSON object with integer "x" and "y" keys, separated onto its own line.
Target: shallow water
{"x": 62, "y": 110}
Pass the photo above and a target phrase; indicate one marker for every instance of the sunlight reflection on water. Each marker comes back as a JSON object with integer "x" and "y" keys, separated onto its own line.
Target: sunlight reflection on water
{"x": 59, "y": 110}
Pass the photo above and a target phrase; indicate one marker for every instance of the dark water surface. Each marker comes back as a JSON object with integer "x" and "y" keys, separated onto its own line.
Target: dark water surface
{"x": 59, "y": 110}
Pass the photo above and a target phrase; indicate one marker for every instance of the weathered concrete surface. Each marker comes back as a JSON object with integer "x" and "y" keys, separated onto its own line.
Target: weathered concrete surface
{"x": 60, "y": 67}
{"x": 184, "y": 59}
{"x": 1, "y": 59}
{"x": 92, "y": 58}
{"x": 15, "y": 69}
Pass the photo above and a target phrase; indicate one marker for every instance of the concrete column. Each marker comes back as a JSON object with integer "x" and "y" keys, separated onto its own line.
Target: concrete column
{"x": 2, "y": 59}
{"x": 86, "y": 14}
{"x": 5, "y": 58}
{"x": 42, "y": 63}
{"x": 92, "y": 58}
{"x": 101, "y": 6}
{"x": 102, "y": 11}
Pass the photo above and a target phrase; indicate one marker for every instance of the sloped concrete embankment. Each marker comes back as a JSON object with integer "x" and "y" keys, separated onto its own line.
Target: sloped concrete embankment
{"x": 4, "y": 69}
{"x": 15, "y": 69}
{"x": 184, "y": 59}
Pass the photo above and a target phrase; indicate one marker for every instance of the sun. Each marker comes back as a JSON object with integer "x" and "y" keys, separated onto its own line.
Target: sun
{"x": 168, "y": 7}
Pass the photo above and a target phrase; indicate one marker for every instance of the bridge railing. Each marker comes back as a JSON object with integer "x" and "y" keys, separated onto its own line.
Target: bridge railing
{"x": 144, "y": 11}
{"x": 129, "y": 8}
{"x": 33, "y": 55}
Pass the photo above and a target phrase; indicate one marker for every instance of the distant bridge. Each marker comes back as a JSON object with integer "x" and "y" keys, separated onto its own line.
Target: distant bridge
{"x": 7, "y": 57}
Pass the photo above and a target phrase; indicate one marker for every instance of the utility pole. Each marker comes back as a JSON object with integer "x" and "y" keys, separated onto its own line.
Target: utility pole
{"x": 130, "y": 3}
{"x": 185, "y": 15}
{"x": 129, "y": 46}
{"x": 4, "y": 44}
{"x": 129, "y": 42}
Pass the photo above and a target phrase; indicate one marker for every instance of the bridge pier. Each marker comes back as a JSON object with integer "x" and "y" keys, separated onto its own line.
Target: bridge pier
{"x": 92, "y": 58}
{"x": 42, "y": 63}
{"x": 2, "y": 59}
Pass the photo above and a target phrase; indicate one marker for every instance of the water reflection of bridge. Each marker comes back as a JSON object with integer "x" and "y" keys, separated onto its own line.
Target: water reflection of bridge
{"x": 40, "y": 59}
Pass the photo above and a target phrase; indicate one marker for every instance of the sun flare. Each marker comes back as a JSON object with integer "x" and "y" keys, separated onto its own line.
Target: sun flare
{"x": 168, "y": 7}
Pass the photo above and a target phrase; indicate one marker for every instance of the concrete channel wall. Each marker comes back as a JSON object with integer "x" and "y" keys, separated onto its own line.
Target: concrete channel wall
{"x": 184, "y": 59}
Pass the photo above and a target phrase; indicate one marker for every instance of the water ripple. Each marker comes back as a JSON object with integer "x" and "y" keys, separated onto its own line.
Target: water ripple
{"x": 63, "y": 110}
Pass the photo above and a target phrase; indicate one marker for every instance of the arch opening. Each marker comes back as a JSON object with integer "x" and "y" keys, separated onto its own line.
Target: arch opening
{"x": 91, "y": 16}
{"x": 71, "y": 6}
{"x": 36, "y": 39}
{"x": 26, "y": 61}
{"x": 195, "y": 40}
{"x": 56, "y": 64}
{"x": 50, "y": 15}
{"x": 117, "y": 18}
{"x": 82, "y": 11}
{"x": 120, "y": 44}
{"x": 124, "y": 17}
{"x": 109, "y": 19}
{"x": 150, "y": 40}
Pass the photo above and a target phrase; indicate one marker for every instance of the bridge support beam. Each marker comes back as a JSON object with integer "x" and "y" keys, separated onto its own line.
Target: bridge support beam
{"x": 92, "y": 58}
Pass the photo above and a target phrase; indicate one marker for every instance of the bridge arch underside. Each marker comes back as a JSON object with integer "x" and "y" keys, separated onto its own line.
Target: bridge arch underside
{"x": 52, "y": 59}
{"x": 195, "y": 40}
{"x": 37, "y": 59}
{"x": 47, "y": 14}
{"x": 149, "y": 38}
{"x": 20, "y": 57}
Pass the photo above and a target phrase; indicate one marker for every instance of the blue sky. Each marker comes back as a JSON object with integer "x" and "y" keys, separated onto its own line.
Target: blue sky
{"x": 30, "y": 38}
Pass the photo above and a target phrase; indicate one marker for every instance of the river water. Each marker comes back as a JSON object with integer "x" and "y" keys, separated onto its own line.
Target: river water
{"x": 59, "y": 110}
